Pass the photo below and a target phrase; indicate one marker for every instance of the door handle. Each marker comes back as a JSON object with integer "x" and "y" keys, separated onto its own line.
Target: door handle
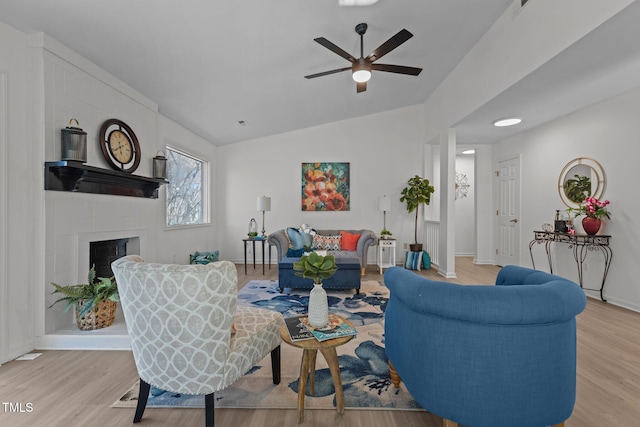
{"x": 514, "y": 220}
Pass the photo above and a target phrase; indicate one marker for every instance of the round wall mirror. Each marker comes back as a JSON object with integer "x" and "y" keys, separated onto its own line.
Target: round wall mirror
{"x": 581, "y": 178}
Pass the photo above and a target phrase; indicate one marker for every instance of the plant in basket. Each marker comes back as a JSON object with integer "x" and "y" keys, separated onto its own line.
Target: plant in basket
{"x": 94, "y": 302}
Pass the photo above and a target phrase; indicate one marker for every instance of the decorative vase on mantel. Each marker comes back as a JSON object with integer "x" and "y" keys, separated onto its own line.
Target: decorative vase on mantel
{"x": 318, "y": 306}
{"x": 591, "y": 225}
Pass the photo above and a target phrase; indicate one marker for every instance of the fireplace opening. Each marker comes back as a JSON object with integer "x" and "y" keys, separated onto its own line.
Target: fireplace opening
{"x": 103, "y": 253}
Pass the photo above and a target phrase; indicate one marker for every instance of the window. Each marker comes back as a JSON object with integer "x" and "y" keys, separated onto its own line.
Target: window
{"x": 187, "y": 189}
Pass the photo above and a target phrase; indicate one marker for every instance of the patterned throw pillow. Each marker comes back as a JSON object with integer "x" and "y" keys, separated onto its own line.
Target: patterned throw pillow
{"x": 327, "y": 243}
{"x": 349, "y": 240}
{"x": 204, "y": 257}
{"x": 412, "y": 260}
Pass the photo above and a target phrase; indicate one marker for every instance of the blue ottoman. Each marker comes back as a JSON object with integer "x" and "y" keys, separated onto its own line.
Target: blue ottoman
{"x": 346, "y": 277}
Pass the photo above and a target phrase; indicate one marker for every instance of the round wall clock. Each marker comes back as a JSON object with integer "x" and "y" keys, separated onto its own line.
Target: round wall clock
{"x": 119, "y": 145}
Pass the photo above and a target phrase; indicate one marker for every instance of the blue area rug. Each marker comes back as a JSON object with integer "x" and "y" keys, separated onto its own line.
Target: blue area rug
{"x": 363, "y": 362}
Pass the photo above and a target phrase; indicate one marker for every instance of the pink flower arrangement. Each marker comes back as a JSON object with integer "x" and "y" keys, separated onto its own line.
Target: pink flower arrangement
{"x": 592, "y": 208}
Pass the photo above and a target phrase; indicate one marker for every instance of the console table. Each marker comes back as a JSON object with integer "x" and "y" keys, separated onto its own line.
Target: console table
{"x": 581, "y": 245}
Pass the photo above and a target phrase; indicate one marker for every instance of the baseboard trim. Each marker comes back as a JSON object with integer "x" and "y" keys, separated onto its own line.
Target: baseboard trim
{"x": 75, "y": 342}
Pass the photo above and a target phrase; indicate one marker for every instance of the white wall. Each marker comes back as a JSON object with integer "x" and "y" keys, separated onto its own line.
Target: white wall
{"x": 607, "y": 132}
{"x": 73, "y": 87}
{"x": 17, "y": 201}
{"x": 44, "y": 231}
{"x": 465, "y": 207}
{"x": 384, "y": 150}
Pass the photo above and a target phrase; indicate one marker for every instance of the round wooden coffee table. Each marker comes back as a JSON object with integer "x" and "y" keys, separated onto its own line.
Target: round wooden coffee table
{"x": 310, "y": 349}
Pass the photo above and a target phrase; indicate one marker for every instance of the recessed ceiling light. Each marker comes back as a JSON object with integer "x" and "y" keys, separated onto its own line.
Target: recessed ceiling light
{"x": 469, "y": 152}
{"x": 507, "y": 122}
{"x": 357, "y": 2}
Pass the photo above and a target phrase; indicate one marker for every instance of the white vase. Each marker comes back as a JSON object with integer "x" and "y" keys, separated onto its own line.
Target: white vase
{"x": 318, "y": 307}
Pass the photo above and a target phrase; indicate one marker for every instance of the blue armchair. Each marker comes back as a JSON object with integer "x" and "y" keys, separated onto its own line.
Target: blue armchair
{"x": 486, "y": 356}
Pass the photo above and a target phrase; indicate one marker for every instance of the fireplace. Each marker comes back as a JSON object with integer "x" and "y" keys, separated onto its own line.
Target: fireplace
{"x": 102, "y": 253}
{"x": 91, "y": 245}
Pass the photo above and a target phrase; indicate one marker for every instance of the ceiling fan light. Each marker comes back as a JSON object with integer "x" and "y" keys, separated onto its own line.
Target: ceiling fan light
{"x": 361, "y": 76}
{"x": 361, "y": 71}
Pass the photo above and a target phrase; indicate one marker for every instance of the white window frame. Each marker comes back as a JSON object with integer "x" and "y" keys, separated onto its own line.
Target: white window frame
{"x": 206, "y": 217}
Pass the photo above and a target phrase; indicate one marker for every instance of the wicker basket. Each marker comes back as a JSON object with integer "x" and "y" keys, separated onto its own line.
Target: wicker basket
{"x": 102, "y": 315}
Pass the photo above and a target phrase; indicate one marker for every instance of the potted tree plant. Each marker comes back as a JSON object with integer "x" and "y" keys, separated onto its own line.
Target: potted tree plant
{"x": 317, "y": 268}
{"x": 417, "y": 192}
{"x": 94, "y": 302}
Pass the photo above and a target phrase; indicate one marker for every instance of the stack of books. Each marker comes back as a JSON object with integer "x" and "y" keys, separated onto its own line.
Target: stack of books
{"x": 299, "y": 328}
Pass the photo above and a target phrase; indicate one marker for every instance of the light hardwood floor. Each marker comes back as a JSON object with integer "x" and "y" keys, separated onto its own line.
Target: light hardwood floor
{"x": 608, "y": 380}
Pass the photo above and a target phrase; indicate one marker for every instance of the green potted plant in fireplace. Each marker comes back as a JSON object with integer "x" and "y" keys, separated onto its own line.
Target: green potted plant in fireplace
{"x": 95, "y": 302}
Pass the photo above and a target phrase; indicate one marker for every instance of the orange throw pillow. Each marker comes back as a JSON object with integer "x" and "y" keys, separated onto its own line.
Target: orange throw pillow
{"x": 349, "y": 240}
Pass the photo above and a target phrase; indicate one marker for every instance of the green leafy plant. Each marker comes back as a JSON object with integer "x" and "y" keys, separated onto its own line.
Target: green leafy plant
{"x": 417, "y": 192}
{"x": 578, "y": 189}
{"x": 592, "y": 208}
{"x": 316, "y": 267}
{"x": 385, "y": 232}
{"x": 96, "y": 290}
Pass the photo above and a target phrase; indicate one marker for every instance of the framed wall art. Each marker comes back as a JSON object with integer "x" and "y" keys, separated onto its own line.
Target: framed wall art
{"x": 325, "y": 186}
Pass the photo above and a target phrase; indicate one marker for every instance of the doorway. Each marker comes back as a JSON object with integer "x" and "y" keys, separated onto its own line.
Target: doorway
{"x": 508, "y": 212}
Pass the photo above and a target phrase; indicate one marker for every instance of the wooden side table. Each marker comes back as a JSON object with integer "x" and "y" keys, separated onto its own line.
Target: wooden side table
{"x": 310, "y": 349}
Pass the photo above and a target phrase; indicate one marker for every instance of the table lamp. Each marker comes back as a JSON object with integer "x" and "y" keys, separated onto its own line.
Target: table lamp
{"x": 384, "y": 205}
{"x": 264, "y": 204}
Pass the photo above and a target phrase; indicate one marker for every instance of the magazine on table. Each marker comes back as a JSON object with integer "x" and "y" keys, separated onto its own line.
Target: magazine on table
{"x": 335, "y": 328}
{"x": 297, "y": 329}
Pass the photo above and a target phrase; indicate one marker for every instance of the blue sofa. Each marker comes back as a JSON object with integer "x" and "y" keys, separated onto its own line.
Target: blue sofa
{"x": 367, "y": 239}
{"x": 484, "y": 355}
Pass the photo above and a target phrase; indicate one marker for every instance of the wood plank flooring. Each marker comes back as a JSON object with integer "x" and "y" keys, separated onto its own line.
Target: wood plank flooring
{"x": 608, "y": 380}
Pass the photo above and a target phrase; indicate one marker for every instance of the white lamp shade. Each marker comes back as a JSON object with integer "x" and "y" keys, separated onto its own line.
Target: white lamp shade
{"x": 384, "y": 204}
{"x": 264, "y": 203}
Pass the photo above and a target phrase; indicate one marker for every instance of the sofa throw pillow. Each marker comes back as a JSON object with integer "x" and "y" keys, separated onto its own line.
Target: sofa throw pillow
{"x": 412, "y": 260}
{"x": 295, "y": 253}
{"x": 349, "y": 240}
{"x": 426, "y": 260}
{"x": 296, "y": 239}
{"x": 327, "y": 243}
{"x": 203, "y": 257}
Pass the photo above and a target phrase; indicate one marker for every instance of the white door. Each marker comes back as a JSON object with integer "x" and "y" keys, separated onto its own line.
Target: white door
{"x": 508, "y": 212}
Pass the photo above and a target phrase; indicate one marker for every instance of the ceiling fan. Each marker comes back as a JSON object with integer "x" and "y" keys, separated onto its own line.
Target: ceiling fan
{"x": 361, "y": 67}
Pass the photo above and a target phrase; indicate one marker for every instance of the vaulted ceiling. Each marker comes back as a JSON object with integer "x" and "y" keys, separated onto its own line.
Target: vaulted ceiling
{"x": 211, "y": 64}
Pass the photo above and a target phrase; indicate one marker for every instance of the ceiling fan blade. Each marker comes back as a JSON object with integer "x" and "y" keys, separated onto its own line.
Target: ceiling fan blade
{"x": 386, "y": 47}
{"x": 361, "y": 87}
{"x": 400, "y": 69}
{"x": 326, "y": 73}
{"x": 335, "y": 49}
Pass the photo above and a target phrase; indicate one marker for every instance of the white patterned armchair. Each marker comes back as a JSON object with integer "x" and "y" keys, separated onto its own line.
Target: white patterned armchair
{"x": 179, "y": 319}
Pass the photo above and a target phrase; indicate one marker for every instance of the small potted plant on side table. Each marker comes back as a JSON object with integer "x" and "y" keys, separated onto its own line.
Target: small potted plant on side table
{"x": 317, "y": 268}
{"x": 94, "y": 302}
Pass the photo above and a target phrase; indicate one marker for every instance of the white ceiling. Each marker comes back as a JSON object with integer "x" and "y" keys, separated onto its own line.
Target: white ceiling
{"x": 602, "y": 64}
{"x": 209, "y": 64}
